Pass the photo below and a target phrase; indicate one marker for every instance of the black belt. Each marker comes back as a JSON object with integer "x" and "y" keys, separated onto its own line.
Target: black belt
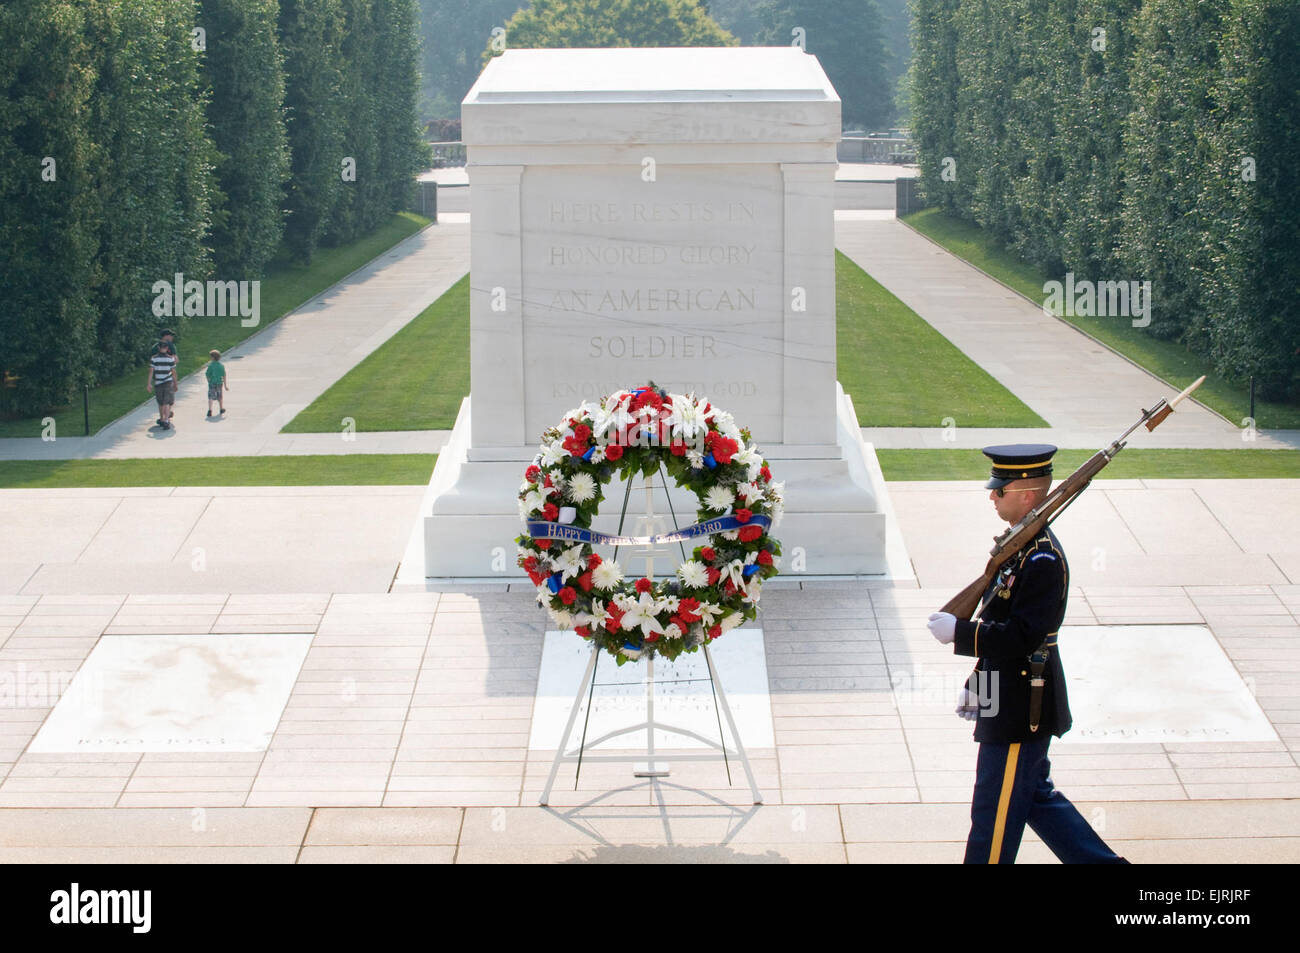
{"x": 1037, "y": 666}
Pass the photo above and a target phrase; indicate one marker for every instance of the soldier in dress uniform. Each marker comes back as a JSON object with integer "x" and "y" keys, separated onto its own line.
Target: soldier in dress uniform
{"x": 1016, "y": 694}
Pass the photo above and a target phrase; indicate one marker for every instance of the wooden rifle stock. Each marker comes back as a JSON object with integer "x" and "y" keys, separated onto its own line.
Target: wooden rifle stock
{"x": 965, "y": 604}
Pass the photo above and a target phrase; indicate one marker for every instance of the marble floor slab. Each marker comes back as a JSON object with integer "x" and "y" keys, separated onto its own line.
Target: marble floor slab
{"x": 176, "y": 693}
{"x": 620, "y": 697}
{"x": 1156, "y": 683}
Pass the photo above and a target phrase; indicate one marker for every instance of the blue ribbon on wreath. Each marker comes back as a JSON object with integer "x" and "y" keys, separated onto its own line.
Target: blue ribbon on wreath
{"x": 540, "y": 529}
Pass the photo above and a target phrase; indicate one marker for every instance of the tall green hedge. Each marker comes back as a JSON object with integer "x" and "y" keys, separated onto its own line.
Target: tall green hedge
{"x": 244, "y": 69}
{"x": 1130, "y": 140}
{"x": 48, "y": 202}
{"x": 141, "y": 138}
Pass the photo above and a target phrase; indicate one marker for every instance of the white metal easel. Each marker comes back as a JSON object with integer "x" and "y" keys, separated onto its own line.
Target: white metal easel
{"x": 652, "y": 768}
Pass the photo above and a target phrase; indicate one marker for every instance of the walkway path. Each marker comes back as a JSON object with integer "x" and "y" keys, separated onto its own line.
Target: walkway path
{"x": 1086, "y": 392}
{"x": 278, "y": 372}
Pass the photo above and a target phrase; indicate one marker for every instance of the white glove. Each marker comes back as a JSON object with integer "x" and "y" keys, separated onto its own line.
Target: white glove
{"x": 943, "y": 626}
{"x": 968, "y": 705}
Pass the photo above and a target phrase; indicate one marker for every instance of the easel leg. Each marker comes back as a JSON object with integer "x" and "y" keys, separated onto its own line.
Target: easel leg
{"x": 586, "y": 685}
{"x": 651, "y": 770}
{"x": 731, "y": 723}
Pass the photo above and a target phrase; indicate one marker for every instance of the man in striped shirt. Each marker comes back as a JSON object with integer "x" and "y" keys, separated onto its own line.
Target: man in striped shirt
{"x": 162, "y": 382}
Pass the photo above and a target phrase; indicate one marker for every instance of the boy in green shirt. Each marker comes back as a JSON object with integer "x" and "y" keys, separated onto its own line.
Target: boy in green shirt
{"x": 217, "y": 383}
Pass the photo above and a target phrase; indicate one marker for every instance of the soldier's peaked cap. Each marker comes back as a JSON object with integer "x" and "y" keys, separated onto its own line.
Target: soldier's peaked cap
{"x": 1018, "y": 461}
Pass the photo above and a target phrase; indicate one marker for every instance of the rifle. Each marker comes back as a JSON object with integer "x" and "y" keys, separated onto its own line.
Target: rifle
{"x": 1014, "y": 538}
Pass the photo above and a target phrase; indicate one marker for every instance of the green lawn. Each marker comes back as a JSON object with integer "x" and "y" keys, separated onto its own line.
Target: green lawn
{"x": 285, "y": 287}
{"x": 1130, "y": 464}
{"x": 1167, "y": 360}
{"x": 414, "y": 381}
{"x": 901, "y": 372}
{"x": 355, "y": 469}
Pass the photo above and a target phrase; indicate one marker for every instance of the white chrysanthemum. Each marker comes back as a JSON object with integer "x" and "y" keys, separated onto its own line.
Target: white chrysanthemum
{"x": 673, "y": 631}
{"x": 694, "y": 575}
{"x": 695, "y": 458}
{"x": 598, "y": 455}
{"x": 564, "y": 620}
{"x": 719, "y": 499}
{"x": 731, "y": 535}
{"x": 607, "y": 575}
{"x": 731, "y": 620}
{"x": 581, "y": 487}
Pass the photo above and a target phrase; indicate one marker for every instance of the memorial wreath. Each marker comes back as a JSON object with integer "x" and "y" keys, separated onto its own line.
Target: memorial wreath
{"x": 700, "y": 447}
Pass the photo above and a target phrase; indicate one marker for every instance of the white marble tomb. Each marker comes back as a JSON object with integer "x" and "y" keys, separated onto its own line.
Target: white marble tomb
{"x": 658, "y": 214}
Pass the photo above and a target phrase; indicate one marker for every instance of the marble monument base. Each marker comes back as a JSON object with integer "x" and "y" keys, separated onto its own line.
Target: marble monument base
{"x": 835, "y": 519}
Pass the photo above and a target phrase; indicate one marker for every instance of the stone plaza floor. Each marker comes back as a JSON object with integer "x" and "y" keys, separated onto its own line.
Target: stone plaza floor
{"x": 396, "y": 726}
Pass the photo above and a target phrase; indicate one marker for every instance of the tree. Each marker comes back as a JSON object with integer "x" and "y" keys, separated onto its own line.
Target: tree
{"x": 310, "y": 36}
{"x": 1251, "y": 197}
{"x": 243, "y": 68}
{"x": 847, "y": 37}
{"x": 934, "y": 83}
{"x": 454, "y": 33}
{"x": 157, "y": 186}
{"x": 403, "y": 151}
{"x": 1166, "y": 153}
{"x": 605, "y": 23}
{"x": 48, "y": 204}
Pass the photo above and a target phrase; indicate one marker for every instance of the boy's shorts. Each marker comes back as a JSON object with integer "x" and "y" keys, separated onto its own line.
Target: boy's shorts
{"x": 164, "y": 393}
{"x": 214, "y": 393}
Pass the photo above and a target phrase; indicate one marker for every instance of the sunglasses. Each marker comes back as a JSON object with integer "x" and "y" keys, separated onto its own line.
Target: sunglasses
{"x": 1000, "y": 491}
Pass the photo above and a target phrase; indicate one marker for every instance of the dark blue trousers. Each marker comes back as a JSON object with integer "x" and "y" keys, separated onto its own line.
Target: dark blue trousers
{"x": 1012, "y": 789}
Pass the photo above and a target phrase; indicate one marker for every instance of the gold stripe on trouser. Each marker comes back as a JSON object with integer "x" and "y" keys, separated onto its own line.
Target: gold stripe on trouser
{"x": 1004, "y": 801}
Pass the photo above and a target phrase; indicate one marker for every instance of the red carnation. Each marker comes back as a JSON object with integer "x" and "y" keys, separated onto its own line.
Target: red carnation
{"x": 714, "y": 575}
{"x": 644, "y": 585}
{"x": 549, "y": 512}
{"x": 730, "y": 587}
{"x": 750, "y": 533}
{"x": 678, "y": 448}
{"x": 743, "y": 515}
{"x": 583, "y": 631}
{"x": 652, "y": 637}
{"x": 585, "y": 581}
{"x": 613, "y": 451}
{"x": 593, "y": 561}
{"x": 708, "y": 554}
{"x": 532, "y": 473}
{"x": 767, "y": 474}
{"x": 715, "y": 632}
{"x": 530, "y": 564}
{"x": 582, "y": 432}
{"x": 537, "y": 577}
{"x": 764, "y": 558}
{"x": 568, "y": 595}
{"x": 686, "y": 610}
{"x": 615, "y": 617}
